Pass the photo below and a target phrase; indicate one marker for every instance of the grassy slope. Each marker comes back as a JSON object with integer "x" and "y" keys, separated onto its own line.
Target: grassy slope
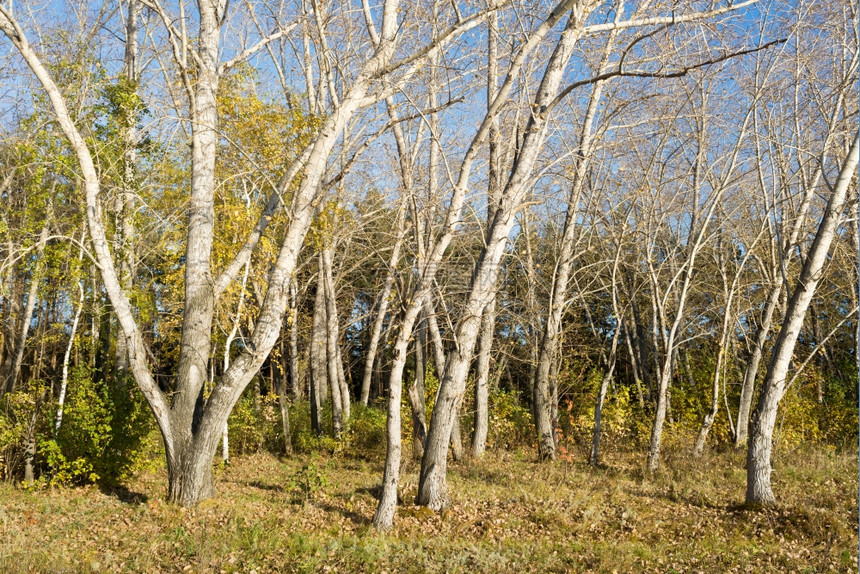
{"x": 509, "y": 515}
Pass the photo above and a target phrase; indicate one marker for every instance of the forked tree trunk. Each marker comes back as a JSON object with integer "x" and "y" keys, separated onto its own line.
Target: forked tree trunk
{"x": 190, "y": 429}
{"x": 335, "y": 364}
{"x": 759, "y": 468}
{"x": 331, "y": 355}
{"x": 189, "y": 472}
{"x": 669, "y": 332}
{"x": 786, "y": 253}
{"x": 545, "y": 397}
{"x": 488, "y": 320}
{"x": 432, "y": 487}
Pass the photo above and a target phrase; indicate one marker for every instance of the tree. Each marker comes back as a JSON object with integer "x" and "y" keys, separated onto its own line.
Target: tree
{"x": 190, "y": 425}
{"x": 759, "y": 468}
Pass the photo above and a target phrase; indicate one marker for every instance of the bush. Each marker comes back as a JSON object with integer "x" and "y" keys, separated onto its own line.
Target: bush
{"x": 510, "y": 422}
{"x": 364, "y": 432}
{"x": 100, "y": 439}
{"x": 18, "y": 413}
{"x": 305, "y": 440}
{"x": 366, "y": 428}
{"x": 102, "y": 432}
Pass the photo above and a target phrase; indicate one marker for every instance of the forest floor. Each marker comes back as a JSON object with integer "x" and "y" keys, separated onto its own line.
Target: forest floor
{"x": 509, "y": 514}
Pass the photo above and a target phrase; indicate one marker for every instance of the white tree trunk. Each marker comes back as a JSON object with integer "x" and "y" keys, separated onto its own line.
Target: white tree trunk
{"x": 61, "y": 399}
{"x": 759, "y": 469}
{"x": 383, "y": 519}
{"x": 482, "y": 382}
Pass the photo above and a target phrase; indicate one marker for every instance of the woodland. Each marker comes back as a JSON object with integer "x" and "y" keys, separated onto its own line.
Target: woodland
{"x": 466, "y": 285}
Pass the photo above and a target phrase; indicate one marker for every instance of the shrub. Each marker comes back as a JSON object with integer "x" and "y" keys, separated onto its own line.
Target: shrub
{"x": 102, "y": 432}
{"x": 305, "y": 440}
{"x": 510, "y": 422}
{"x": 22, "y": 413}
{"x": 366, "y": 428}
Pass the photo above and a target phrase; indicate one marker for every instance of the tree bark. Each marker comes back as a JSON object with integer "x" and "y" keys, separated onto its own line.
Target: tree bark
{"x": 61, "y": 398}
{"x": 488, "y": 319}
{"x": 317, "y": 361}
{"x": 293, "y": 325}
{"x": 432, "y": 488}
{"x": 184, "y": 422}
{"x": 416, "y": 394}
{"x": 751, "y": 370}
{"x": 126, "y": 200}
{"x": 284, "y": 406}
{"x": 383, "y": 519}
{"x": 340, "y": 392}
{"x": 729, "y": 291}
{"x": 759, "y": 490}
{"x": 543, "y": 395}
{"x": 330, "y": 335}
{"x": 482, "y": 383}
{"x": 634, "y": 367}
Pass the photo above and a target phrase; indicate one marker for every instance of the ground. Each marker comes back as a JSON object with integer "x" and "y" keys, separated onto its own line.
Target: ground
{"x": 509, "y": 514}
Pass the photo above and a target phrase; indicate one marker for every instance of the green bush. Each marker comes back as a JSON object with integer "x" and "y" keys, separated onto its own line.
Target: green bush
{"x": 366, "y": 428}
{"x": 310, "y": 481}
{"x": 305, "y": 440}
{"x": 255, "y": 424}
{"x": 18, "y": 413}
{"x": 103, "y": 429}
{"x": 510, "y": 422}
{"x": 364, "y": 432}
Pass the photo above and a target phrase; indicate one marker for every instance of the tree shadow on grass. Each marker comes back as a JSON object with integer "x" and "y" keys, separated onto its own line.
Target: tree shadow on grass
{"x": 374, "y": 491}
{"x": 264, "y": 486}
{"x": 680, "y": 496}
{"x": 123, "y": 494}
{"x": 354, "y": 517}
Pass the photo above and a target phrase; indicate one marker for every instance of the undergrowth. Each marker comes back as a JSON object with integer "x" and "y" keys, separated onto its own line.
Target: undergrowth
{"x": 311, "y": 513}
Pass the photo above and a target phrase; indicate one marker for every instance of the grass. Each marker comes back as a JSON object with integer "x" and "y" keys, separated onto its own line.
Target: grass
{"x": 509, "y": 514}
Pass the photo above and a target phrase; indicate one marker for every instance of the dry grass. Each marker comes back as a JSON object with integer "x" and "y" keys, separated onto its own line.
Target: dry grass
{"x": 509, "y": 515}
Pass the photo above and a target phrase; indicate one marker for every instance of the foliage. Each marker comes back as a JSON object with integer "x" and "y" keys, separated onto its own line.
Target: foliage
{"x": 101, "y": 437}
{"x": 510, "y": 422}
{"x": 255, "y": 426}
{"x": 305, "y": 440}
{"x": 310, "y": 480}
{"x": 364, "y": 434}
{"x": 19, "y": 411}
{"x": 365, "y": 431}
{"x": 251, "y": 425}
